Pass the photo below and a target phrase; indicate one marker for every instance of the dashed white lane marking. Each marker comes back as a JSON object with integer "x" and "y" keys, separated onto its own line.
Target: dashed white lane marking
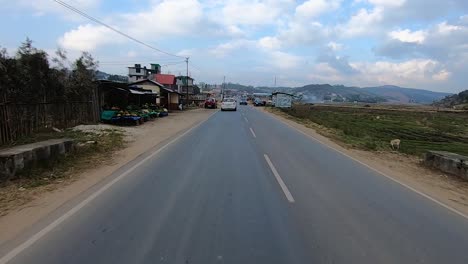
{"x": 283, "y": 186}
{"x": 382, "y": 173}
{"x": 253, "y": 133}
{"x": 246, "y": 120}
{"x": 34, "y": 238}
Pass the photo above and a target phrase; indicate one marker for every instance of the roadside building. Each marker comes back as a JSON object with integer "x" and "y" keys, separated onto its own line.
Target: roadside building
{"x": 137, "y": 72}
{"x": 167, "y": 98}
{"x": 118, "y": 94}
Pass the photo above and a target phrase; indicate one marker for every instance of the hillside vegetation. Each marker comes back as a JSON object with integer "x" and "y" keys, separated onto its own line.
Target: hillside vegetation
{"x": 457, "y": 101}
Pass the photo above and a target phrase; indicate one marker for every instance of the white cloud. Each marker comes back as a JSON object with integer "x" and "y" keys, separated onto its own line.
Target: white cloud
{"x": 444, "y": 28}
{"x": 443, "y": 75}
{"x": 87, "y": 38}
{"x": 165, "y": 18}
{"x": 249, "y": 13}
{"x": 413, "y": 72}
{"x": 285, "y": 61}
{"x": 314, "y": 8}
{"x": 225, "y": 49}
{"x": 387, "y": 3}
{"x": 271, "y": 43}
{"x": 303, "y": 33}
{"x": 365, "y": 22}
{"x": 409, "y": 36}
{"x": 334, "y": 46}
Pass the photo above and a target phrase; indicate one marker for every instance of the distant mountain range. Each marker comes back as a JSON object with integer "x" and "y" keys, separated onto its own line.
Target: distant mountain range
{"x": 341, "y": 93}
{"x": 406, "y": 95}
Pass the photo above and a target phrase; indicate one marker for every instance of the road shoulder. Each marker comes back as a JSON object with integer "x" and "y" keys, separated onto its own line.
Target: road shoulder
{"x": 406, "y": 169}
{"x": 143, "y": 140}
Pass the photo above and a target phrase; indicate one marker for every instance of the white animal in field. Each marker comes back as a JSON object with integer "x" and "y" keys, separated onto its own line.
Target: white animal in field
{"x": 395, "y": 143}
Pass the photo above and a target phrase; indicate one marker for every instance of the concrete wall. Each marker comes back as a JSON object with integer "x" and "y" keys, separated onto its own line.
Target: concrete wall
{"x": 23, "y": 157}
{"x": 448, "y": 162}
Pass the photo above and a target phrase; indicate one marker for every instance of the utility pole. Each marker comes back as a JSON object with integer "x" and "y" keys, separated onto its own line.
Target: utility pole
{"x": 275, "y": 81}
{"x": 186, "y": 84}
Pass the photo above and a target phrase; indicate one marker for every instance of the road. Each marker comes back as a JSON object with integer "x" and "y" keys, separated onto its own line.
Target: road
{"x": 245, "y": 188}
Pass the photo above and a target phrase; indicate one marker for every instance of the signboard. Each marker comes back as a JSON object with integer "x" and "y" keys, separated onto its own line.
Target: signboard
{"x": 283, "y": 100}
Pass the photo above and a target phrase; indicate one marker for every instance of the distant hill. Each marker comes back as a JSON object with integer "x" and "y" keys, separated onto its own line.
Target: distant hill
{"x": 457, "y": 101}
{"x": 336, "y": 93}
{"x": 110, "y": 77}
{"x": 243, "y": 88}
{"x": 406, "y": 95}
{"x": 340, "y": 93}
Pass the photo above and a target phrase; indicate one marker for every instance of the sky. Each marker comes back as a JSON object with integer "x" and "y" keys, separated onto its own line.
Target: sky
{"x": 411, "y": 43}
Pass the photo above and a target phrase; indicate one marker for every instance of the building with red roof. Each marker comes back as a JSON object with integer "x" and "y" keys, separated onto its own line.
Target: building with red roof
{"x": 168, "y": 80}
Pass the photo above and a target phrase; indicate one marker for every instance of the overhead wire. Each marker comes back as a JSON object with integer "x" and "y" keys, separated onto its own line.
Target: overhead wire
{"x": 74, "y": 9}
{"x": 127, "y": 63}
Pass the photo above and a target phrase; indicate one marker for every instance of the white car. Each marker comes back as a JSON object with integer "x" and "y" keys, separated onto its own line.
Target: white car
{"x": 229, "y": 104}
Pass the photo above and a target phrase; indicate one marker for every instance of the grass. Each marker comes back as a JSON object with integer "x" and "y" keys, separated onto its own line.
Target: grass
{"x": 372, "y": 129}
{"x": 28, "y": 182}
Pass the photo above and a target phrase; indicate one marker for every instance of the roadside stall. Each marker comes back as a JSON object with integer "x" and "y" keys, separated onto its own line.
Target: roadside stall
{"x": 123, "y": 105}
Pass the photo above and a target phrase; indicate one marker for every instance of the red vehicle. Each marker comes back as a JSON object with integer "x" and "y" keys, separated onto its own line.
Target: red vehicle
{"x": 210, "y": 103}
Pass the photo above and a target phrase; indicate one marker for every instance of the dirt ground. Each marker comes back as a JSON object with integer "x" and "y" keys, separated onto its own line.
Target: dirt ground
{"x": 407, "y": 169}
{"x": 34, "y": 204}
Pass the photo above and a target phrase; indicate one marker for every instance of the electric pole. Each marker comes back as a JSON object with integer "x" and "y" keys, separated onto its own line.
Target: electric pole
{"x": 186, "y": 98}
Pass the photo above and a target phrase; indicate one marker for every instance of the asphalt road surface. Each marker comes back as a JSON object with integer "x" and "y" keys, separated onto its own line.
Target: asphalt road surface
{"x": 245, "y": 188}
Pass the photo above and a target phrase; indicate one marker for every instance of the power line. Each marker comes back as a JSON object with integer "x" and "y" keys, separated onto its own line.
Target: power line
{"x": 125, "y": 63}
{"x": 113, "y": 29}
{"x": 139, "y": 61}
{"x": 195, "y": 66}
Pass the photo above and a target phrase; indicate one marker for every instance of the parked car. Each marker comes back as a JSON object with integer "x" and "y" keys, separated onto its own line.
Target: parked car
{"x": 229, "y": 104}
{"x": 258, "y": 102}
{"x": 243, "y": 102}
{"x": 210, "y": 103}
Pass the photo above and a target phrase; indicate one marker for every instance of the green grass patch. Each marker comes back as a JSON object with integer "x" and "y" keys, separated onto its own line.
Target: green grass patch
{"x": 372, "y": 129}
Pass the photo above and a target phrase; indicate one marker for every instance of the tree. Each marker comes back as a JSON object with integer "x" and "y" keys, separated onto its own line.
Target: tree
{"x": 82, "y": 77}
{"x": 32, "y": 73}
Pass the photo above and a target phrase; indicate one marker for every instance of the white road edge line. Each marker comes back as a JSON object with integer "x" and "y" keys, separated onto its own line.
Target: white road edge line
{"x": 253, "y": 133}
{"x": 383, "y": 174}
{"x": 283, "y": 186}
{"x": 34, "y": 238}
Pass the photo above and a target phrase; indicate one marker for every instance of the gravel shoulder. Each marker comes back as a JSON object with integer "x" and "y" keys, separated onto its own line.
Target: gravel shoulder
{"x": 407, "y": 169}
{"x": 45, "y": 199}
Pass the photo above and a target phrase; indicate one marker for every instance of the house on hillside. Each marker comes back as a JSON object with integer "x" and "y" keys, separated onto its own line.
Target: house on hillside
{"x": 137, "y": 72}
{"x": 167, "y": 98}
